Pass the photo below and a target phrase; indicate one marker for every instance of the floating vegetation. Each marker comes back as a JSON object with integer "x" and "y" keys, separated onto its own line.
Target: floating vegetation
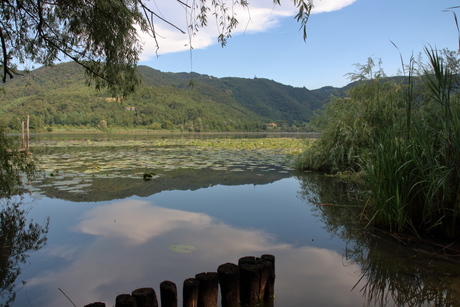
{"x": 182, "y": 248}
{"x": 72, "y": 165}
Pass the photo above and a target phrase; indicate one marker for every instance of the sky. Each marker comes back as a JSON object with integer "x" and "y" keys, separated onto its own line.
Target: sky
{"x": 268, "y": 43}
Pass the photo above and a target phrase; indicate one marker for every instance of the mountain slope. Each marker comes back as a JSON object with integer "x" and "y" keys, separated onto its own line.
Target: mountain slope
{"x": 58, "y": 96}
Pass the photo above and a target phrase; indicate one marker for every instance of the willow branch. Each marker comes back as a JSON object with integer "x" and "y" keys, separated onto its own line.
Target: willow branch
{"x": 6, "y": 70}
{"x": 146, "y": 9}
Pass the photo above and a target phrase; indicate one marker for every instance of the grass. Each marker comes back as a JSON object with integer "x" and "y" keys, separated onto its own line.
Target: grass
{"x": 405, "y": 138}
{"x": 414, "y": 176}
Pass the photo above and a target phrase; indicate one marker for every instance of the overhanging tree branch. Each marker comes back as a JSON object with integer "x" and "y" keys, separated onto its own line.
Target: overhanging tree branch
{"x": 101, "y": 35}
{"x": 6, "y": 70}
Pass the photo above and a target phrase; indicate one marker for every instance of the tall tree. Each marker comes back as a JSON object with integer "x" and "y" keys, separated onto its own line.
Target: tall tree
{"x": 102, "y": 35}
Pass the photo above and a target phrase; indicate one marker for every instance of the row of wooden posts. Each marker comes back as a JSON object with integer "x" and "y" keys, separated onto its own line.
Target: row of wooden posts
{"x": 250, "y": 283}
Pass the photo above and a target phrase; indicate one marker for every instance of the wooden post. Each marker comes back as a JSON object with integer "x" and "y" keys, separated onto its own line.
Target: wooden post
{"x": 209, "y": 288}
{"x": 27, "y": 132}
{"x": 23, "y": 144}
{"x": 250, "y": 283}
{"x": 270, "y": 286}
{"x": 254, "y": 276}
{"x": 229, "y": 279}
{"x": 168, "y": 294}
{"x": 145, "y": 297}
{"x": 190, "y": 292}
{"x": 125, "y": 300}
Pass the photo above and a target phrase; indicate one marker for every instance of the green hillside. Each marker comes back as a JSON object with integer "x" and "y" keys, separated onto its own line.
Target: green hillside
{"x": 58, "y": 98}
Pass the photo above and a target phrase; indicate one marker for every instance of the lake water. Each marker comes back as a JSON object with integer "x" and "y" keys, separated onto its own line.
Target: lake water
{"x": 111, "y": 232}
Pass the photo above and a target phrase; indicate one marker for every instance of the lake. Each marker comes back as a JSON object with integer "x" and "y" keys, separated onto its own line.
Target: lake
{"x": 111, "y": 232}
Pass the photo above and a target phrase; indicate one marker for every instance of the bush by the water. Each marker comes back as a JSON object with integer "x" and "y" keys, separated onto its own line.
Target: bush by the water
{"x": 404, "y": 135}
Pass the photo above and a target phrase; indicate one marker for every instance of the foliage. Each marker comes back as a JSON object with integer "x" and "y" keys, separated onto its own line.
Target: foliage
{"x": 15, "y": 165}
{"x": 405, "y": 137}
{"x": 415, "y": 180}
{"x": 350, "y": 125}
{"x": 57, "y": 97}
{"x": 102, "y": 35}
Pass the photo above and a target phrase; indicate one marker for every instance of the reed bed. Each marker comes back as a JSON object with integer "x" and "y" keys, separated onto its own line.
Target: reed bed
{"x": 404, "y": 135}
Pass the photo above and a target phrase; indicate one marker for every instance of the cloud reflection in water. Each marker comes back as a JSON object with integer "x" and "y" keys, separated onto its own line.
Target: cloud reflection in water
{"x": 131, "y": 250}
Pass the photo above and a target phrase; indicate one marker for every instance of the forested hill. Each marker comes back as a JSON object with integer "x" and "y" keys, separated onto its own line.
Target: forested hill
{"x": 58, "y": 98}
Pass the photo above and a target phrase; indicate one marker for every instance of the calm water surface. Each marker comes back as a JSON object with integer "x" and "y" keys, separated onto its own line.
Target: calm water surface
{"x": 112, "y": 232}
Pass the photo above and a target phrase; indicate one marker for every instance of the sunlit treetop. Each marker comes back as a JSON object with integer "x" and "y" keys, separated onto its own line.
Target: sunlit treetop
{"x": 103, "y": 35}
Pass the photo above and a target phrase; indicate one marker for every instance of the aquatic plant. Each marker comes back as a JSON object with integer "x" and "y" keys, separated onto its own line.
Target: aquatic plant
{"x": 404, "y": 135}
{"x": 415, "y": 180}
{"x": 350, "y": 125}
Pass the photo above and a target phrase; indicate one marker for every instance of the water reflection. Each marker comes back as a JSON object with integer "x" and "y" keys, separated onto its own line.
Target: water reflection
{"x": 137, "y": 222}
{"x": 391, "y": 273}
{"x": 130, "y": 248}
{"x": 100, "y": 249}
{"x": 18, "y": 237}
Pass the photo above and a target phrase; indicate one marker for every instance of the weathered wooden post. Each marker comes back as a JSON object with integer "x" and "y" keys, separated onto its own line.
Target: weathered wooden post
{"x": 23, "y": 143}
{"x": 208, "y": 289}
{"x": 168, "y": 294}
{"x": 254, "y": 276}
{"x": 229, "y": 279}
{"x": 190, "y": 292}
{"x": 250, "y": 283}
{"x": 270, "y": 287}
{"x": 125, "y": 300}
{"x": 145, "y": 297}
{"x": 27, "y": 132}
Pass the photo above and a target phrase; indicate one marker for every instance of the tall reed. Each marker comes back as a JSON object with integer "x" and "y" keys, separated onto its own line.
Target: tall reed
{"x": 404, "y": 134}
{"x": 414, "y": 177}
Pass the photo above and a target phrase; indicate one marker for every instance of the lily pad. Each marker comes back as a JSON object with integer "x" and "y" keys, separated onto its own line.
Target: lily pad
{"x": 182, "y": 248}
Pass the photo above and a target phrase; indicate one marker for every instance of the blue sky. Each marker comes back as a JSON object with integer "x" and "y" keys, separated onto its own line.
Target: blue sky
{"x": 271, "y": 45}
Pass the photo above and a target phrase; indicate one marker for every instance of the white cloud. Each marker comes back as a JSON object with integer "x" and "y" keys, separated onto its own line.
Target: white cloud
{"x": 132, "y": 220}
{"x": 323, "y": 6}
{"x": 261, "y": 16}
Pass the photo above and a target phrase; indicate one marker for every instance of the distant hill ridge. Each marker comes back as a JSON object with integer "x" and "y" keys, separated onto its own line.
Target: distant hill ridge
{"x": 57, "y": 97}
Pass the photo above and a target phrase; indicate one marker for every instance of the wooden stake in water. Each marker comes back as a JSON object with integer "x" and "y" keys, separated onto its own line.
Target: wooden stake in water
{"x": 145, "y": 297}
{"x": 125, "y": 300}
{"x": 256, "y": 278}
{"x": 209, "y": 289}
{"x": 229, "y": 279}
{"x": 190, "y": 292}
{"x": 168, "y": 294}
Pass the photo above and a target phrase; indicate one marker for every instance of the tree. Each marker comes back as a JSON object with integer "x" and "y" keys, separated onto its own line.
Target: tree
{"x": 102, "y": 125}
{"x": 102, "y": 35}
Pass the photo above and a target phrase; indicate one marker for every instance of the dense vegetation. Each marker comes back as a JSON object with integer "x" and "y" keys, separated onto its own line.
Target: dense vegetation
{"x": 403, "y": 135}
{"x": 58, "y": 98}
